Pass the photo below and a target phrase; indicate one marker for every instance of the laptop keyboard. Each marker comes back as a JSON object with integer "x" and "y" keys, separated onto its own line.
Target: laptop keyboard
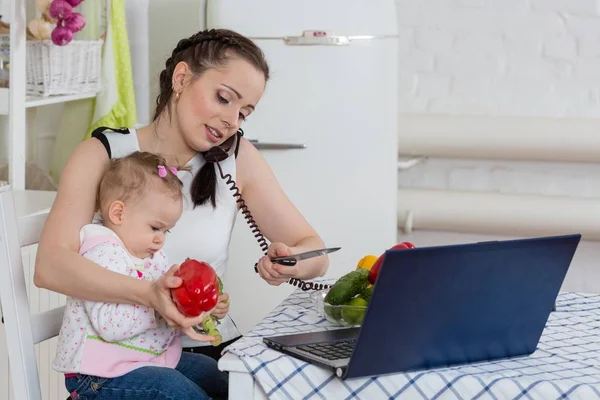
{"x": 331, "y": 351}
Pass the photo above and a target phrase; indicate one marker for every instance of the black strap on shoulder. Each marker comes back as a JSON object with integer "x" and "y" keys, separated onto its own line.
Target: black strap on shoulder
{"x": 98, "y": 133}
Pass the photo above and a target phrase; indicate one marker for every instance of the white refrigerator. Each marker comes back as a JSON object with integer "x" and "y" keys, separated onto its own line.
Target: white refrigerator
{"x": 327, "y": 125}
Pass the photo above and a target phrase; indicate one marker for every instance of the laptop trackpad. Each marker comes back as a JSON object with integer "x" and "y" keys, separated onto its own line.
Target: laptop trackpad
{"x": 315, "y": 337}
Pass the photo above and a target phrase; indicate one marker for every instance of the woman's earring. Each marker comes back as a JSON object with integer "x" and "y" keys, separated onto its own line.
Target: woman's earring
{"x": 177, "y": 96}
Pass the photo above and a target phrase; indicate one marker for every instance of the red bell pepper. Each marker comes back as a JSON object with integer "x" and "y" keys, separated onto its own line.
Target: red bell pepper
{"x": 199, "y": 290}
{"x": 374, "y": 272}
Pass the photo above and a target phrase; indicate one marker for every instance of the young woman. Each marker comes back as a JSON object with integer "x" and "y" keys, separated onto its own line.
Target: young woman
{"x": 211, "y": 83}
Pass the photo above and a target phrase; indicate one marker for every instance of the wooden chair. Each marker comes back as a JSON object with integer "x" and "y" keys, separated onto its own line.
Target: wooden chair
{"x": 23, "y": 330}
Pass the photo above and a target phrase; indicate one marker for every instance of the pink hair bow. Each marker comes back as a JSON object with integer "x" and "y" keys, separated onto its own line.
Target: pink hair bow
{"x": 162, "y": 171}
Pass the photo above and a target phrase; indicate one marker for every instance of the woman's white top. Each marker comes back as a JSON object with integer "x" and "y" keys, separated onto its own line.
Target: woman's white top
{"x": 202, "y": 233}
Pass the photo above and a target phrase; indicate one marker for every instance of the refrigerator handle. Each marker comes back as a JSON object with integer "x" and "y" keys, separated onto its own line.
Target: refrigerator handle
{"x": 316, "y": 38}
{"x": 276, "y": 146}
{"x": 322, "y": 38}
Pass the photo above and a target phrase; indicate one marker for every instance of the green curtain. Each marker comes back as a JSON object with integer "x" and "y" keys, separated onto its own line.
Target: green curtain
{"x": 114, "y": 106}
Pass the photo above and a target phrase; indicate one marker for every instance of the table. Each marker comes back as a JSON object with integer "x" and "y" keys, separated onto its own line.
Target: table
{"x": 566, "y": 364}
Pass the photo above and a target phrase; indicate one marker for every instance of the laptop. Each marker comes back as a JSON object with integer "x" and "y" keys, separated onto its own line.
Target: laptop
{"x": 446, "y": 305}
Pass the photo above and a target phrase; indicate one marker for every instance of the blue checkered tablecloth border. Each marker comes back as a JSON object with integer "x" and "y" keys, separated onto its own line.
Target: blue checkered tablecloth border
{"x": 566, "y": 364}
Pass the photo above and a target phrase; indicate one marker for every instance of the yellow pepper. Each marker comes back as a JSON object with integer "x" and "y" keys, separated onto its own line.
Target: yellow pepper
{"x": 366, "y": 262}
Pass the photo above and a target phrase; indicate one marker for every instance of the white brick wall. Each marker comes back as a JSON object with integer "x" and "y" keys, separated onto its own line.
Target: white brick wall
{"x": 500, "y": 57}
{"x": 503, "y": 57}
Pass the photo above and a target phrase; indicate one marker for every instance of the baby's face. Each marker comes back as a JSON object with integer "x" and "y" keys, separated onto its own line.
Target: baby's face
{"x": 146, "y": 222}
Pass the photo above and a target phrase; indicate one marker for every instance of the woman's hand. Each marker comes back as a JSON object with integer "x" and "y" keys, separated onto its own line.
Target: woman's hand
{"x": 161, "y": 301}
{"x": 222, "y": 307}
{"x": 276, "y": 274}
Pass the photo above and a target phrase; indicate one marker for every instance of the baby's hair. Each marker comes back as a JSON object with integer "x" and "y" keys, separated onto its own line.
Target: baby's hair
{"x": 128, "y": 177}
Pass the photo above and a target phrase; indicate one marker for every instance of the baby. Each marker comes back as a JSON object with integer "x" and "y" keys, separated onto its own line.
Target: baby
{"x": 139, "y": 200}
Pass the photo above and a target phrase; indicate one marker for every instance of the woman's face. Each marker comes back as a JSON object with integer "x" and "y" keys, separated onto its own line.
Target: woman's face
{"x": 212, "y": 107}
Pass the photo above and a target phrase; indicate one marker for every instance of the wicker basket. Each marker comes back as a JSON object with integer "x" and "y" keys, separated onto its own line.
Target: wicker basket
{"x": 60, "y": 70}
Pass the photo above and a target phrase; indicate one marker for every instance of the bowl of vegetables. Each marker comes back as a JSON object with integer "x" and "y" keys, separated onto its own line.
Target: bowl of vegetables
{"x": 349, "y": 314}
{"x": 345, "y": 302}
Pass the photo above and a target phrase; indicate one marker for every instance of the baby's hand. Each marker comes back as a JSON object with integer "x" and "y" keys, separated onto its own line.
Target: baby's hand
{"x": 196, "y": 333}
{"x": 222, "y": 307}
{"x": 159, "y": 298}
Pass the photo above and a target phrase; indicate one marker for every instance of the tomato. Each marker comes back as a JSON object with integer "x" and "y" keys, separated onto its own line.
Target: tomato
{"x": 374, "y": 272}
{"x": 404, "y": 245}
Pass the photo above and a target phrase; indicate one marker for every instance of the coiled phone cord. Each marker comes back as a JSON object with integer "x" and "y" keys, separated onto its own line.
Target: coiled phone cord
{"x": 305, "y": 286}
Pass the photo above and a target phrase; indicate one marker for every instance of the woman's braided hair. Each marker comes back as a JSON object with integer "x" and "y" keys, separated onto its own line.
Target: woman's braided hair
{"x": 202, "y": 51}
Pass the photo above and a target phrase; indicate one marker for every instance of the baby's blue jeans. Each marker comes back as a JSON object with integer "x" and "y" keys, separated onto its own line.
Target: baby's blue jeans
{"x": 195, "y": 377}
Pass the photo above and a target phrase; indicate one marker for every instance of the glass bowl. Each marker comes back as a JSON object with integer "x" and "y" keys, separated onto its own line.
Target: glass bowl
{"x": 342, "y": 315}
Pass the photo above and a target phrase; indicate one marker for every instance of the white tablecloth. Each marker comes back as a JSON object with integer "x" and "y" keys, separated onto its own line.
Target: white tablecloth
{"x": 566, "y": 364}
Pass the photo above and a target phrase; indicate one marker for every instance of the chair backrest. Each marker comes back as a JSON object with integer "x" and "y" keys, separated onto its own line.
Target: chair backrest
{"x": 23, "y": 330}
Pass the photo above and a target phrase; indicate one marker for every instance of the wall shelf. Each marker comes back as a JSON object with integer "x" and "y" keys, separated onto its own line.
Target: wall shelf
{"x": 39, "y": 101}
{"x": 33, "y": 101}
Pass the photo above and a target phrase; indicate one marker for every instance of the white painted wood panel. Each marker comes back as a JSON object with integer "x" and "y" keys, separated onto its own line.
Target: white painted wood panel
{"x": 52, "y": 383}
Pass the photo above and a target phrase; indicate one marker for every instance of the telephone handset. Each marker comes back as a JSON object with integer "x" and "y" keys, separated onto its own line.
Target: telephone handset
{"x": 220, "y": 153}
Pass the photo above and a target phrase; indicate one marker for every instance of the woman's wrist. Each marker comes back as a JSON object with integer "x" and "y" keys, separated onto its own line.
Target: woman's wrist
{"x": 314, "y": 267}
{"x": 141, "y": 293}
